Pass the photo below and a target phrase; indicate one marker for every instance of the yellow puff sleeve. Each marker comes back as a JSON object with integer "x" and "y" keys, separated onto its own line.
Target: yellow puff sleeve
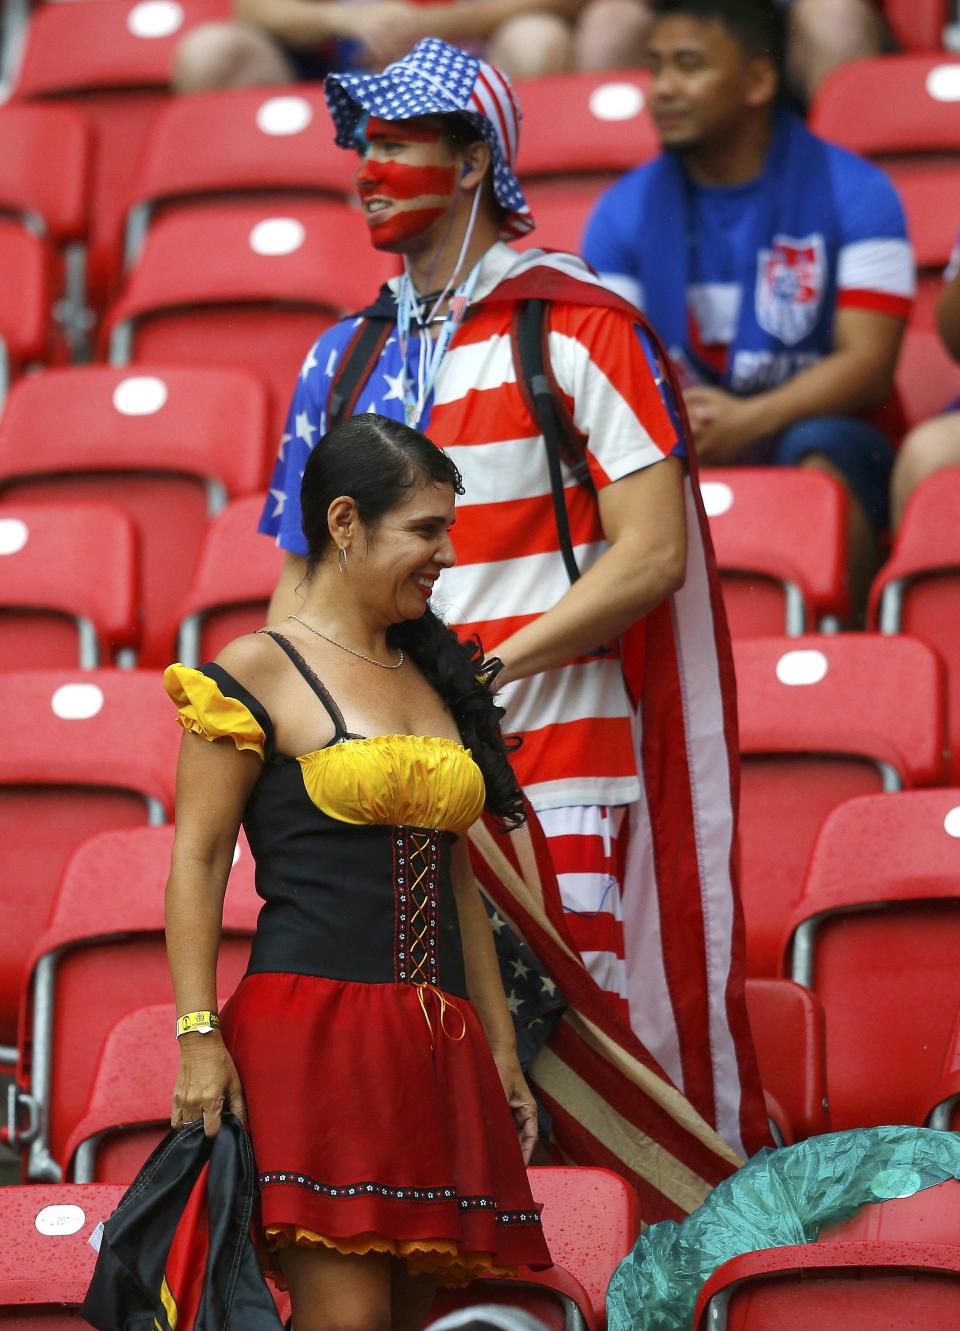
{"x": 204, "y": 710}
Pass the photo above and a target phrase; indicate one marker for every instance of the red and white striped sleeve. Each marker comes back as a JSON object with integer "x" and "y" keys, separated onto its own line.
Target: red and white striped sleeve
{"x": 601, "y": 368}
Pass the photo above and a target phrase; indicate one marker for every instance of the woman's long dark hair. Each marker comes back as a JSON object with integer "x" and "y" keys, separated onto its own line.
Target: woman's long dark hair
{"x": 376, "y": 461}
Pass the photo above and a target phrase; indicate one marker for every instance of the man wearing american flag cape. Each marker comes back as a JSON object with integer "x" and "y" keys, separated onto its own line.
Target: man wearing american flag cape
{"x": 589, "y": 572}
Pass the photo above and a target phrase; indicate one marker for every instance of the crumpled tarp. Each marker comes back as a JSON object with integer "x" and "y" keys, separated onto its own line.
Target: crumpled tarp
{"x": 779, "y": 1197}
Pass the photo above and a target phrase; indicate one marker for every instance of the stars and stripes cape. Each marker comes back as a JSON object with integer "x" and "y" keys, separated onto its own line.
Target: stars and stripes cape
{"x": 677, "y": 1118}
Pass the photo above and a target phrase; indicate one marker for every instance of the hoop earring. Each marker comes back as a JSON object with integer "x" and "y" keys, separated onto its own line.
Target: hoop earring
{"x": 342, "y": 559}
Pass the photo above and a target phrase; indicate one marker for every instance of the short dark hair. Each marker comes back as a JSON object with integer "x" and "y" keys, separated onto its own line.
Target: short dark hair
{"x": 758, "y": 26}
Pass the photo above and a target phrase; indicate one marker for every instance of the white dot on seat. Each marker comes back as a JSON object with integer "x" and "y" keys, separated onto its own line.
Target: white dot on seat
{"x": 943, "y": 83}
{"x": 802, "y": 667}
{"x": 14, "y": 534}
{"x": 616, "y": 101}
{"x": 277, "y": 235}
{"x": 236, "y": 852}
{"x": 77, "y": 702}
{"x": 951, "y": 824}
{"x": 141, "y": 395}
{"x": 155, "y": 18}
{"x": 56, "y": 1220}
{"x": 284, "y": 115}
{"x": 717, "y": 497}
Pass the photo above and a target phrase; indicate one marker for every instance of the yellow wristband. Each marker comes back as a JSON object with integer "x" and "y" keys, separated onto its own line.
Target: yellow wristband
{"x": 201, "y": 1022}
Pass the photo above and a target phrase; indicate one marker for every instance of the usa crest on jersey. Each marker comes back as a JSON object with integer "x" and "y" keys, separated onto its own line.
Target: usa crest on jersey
{"x": 791, "y": 277}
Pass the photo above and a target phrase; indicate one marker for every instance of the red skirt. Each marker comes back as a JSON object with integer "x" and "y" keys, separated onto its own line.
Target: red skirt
{"x": 379, "y": 1124}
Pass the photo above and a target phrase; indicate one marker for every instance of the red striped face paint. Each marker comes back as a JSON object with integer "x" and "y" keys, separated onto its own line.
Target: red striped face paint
{"x": 403, "y": 186}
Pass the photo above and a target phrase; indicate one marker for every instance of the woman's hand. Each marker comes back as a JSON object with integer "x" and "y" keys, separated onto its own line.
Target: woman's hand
{"x": 521, "y": 1101}
{"x": 207, "y": 1081}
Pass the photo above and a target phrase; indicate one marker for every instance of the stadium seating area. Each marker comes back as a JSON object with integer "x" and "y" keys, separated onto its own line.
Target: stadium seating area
{"x": 163, "y": 267}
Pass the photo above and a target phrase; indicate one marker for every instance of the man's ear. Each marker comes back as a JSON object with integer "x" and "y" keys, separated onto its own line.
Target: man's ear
{"x": 762, "y": 82}
{"x": 476, "y": 165}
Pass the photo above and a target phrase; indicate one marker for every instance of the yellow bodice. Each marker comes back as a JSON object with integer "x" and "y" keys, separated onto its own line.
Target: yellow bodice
{"x": 416, "y": 780}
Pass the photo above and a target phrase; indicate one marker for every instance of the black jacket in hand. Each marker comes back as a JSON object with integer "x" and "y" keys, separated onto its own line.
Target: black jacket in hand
{"x": 176, "y": 1254}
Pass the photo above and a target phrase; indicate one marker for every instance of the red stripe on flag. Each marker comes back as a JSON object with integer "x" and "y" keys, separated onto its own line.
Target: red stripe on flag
{"x": 515, "y": 528}
{"x": 599, "y": 747}
{"x": 186, "y": 1266}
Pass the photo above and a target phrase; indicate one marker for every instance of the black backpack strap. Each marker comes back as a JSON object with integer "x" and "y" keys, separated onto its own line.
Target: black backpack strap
{"x": 564, "y": 442}
{"x": 356, "y": 365}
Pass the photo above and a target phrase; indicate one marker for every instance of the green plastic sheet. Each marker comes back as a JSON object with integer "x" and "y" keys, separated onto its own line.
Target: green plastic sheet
{"x": 779, "y": 1197}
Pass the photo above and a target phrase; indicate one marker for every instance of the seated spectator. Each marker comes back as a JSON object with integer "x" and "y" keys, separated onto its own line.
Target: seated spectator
{"x": 280, "y": 41}
{"x": 935, "y": 443}
{"x": 775, "y": 265}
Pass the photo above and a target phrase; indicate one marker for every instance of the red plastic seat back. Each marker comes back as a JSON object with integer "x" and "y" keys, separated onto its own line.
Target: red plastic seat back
{"x": 26, "y": 283}
{"x": 152, "y": 442}
{"x": 789, "y": 1035}
{"x": 917, "y": 25}
{"x": 46, "y": 167}
{"x": 113, "y": 63}
{"x": 58, "y": 564}
{"x": 562, "y": 210}
{"x": 918, "y": 112}
{"x": 67, "y": 770}
{"x": 918, "y": 591}
{"x": 927, "y": 378}
{"x": 883, "y": 891}
{"x": 235, "y": 577}
{"x": 820, "y": 718}
{"x": 101, "y": 976}
{"x": 236, "y": 284}
{"x": 772, "y": 527}
{"x": 591, "y": 1219}
{"x": 606, "y": 127}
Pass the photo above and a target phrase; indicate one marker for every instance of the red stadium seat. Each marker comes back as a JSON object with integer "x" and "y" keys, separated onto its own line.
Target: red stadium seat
{"x": 242, "y": 141}
{"x": 931, "y": 1215}
{"x": 68, "y": 585}
{"x": 822, "y": 719}
{"x": 928, "y": 380}
{"x": 918, "y": 590}
{"x": 875, "y": 935}
{"x": 918, "y": 111}
{"x": 236, "y": 574}
{"x": 606, "y": 129}
{"x": 232, "y": 284}
{"x": 26, "y": 264}
{"x": 780, "y": 540}
{"x": 930, "y": 190}
{"x": 917, "y": 25}
{"x": 591, "y": 1219}
{"x": 101, "y": 956}
{"x": 45, "y": 169}
{"x": 46, "y": 1260}
{"x": 940, "y": 1106}
{"x": 169, "y": 445}
{"x": 45, "y": 175}
{"x": 112, "y": 60}
{"x": 562, "y": 209}
{"x": 854, "y": 1286}
{"x": 789, "y": 1035}
{"x": 81, "y": 751}
{"x": 129, "y": 1108}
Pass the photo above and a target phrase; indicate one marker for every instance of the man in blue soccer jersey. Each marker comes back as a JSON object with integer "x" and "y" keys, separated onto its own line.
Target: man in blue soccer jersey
{"x": 775, "y": 266}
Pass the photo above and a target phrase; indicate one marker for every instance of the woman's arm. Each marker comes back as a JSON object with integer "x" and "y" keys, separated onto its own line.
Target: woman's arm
{"x": 486, "y": 994}
{"x": 213, "y": 783}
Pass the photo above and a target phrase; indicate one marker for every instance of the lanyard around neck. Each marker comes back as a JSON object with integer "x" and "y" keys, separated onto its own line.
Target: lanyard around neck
{"x": 431, "y": 353}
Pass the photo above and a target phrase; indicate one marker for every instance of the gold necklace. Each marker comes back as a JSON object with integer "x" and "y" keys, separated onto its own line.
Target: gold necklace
{"x": 384, "y": 665}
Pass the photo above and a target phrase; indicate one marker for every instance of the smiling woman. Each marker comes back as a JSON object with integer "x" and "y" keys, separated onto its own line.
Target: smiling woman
{"x": 373, "y": 970}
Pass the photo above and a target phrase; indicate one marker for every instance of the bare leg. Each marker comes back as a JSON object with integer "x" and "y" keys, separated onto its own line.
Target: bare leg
{"x": 862, "y": 552}
{"x": 932, "y": 445}
{"x": 229, "y": 55}
{"x": 411, "y": 1298}
{"x": 610, "y": 34}
{"x": 531, "y": 45}
{"x": 825, "y": 34}
{"x": 330, "y": 1291}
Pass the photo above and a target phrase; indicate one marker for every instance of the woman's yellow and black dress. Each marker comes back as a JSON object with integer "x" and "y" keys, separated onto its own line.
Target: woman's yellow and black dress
{"x": 377, "y": 1116}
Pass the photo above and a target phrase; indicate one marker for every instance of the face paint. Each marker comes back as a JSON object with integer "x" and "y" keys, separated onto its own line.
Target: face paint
{"x": 398, "y": 185}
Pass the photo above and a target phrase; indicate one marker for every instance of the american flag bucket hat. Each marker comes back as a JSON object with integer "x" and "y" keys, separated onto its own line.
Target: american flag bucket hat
{"x": 433, "y": 79}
